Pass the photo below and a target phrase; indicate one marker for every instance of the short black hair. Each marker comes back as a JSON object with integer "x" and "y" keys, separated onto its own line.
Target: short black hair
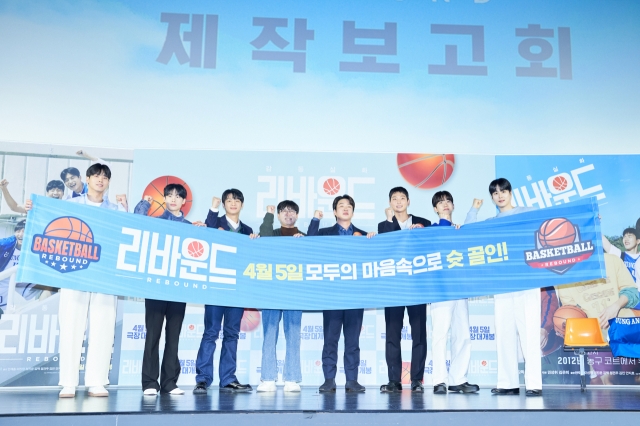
{"x": 20, "y": 225}
{"x": 98, "y": 169}
{"x": 55, "y": 184}
{"x": 288, "y": 204}
{"x": 501, "y": 183}
{"x": 441, "y": 196}
{"x": 632, "y": 231}
{"x": 343, "y": 197}
{"x": 69, "y": 171}
{"x": 180, "y": 190}
{"x": 398, "y": 189}
{"x": 236, "y": 194}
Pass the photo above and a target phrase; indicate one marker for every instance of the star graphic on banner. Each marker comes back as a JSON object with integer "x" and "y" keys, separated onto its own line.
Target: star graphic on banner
{"x": 46, "y": 261}
{"x": 80, "y": 266}
{"x": 582, "y": 160}
{"x": 73, "y": 266}
{"x": 53, "y": 263}
{"x": 63, "y": 267}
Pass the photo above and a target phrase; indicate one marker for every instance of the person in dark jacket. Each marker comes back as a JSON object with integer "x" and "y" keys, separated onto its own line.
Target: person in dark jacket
{"x": 398, "y": 219}
{"x": 214, "y": 315}
{"x": 175, "y": 196}
{"x": 349, "y": 320}
{"x": 292, "y": 320}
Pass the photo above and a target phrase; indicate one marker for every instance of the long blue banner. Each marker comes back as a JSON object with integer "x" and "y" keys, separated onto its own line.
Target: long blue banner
{"x": 86, "y": 248}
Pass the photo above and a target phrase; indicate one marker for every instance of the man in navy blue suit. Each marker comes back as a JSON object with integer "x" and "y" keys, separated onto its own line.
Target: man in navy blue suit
{"x": 398, "y": 219}
{"x": 348, "y": 320}
{"x": 214, "y": 315}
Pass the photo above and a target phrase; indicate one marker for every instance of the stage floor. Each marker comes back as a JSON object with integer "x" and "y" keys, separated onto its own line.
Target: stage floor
{"x": 129, "y": 406}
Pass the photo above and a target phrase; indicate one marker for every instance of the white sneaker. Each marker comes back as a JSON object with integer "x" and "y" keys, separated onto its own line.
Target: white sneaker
{"x": 267, "y": 386}
{"x": 291, "y": 387}
{"x": 68, "y": 392}
{"x": 176, "y": 391}
{"x": 150, "y": 392}
{"x": 98, "y": 391}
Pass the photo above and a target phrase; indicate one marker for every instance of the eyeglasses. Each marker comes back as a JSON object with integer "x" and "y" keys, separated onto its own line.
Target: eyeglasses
{"x": 288, "y": 211}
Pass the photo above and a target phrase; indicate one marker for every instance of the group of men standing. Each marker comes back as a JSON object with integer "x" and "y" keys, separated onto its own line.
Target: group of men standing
{"x": 517, "y": 314}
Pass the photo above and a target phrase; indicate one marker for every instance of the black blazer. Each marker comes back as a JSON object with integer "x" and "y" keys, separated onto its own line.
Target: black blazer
{"x": 387, "y": 226}
{"x": 213, "y": 221}
{"x": 332, "y": 230}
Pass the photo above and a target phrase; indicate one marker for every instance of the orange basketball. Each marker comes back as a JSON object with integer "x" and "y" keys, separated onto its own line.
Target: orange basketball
{"x": 331, "y": 186}
{"x": 156, "y": 190}
{"x": 71, "y": 228}
{"x": 561, "y": 315}
{"x": 560, "y": 183}
{"x": 426, "y": 171}
{"x": 556, "y": 232}
{"x": 250, "y": 320}
{"x": 405, "y": 379}
{"x": 195, "y": 249}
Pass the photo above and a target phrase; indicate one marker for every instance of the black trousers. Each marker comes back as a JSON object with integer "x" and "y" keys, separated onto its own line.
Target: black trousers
{"x": 155, "y": 313}
{"x": 393, "y": 318}
{"x": 333, "y": 322}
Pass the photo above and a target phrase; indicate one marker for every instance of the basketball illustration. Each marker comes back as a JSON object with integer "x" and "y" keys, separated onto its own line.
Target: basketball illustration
{"x": 560, "y": 183}
{"x": 561, "y": 315}
{"x": 556, "y": 232}
{"x": 405, "y": 379}
{"x": 155, "y": 189}
{"x": 71, "y": 228}
{"x": 426, "y": 171}
{"x": 331, "y": 186}
{"x": 250, "y": 320}
{"x": 195, "y": 249}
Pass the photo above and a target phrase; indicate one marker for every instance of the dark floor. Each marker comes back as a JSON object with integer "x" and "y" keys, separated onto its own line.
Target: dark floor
{"x": 131, "y": 401}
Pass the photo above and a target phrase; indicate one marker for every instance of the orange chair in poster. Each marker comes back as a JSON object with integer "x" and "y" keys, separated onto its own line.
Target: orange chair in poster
{"x": 581, "y": 336}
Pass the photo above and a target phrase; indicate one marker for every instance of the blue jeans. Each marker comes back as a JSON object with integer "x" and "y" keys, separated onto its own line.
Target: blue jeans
{"x": 271, "y": 327}
{"x": 213, "y": 316}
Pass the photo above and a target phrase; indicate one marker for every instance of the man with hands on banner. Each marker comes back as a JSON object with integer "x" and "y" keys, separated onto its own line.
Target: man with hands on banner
{"x": 517, "y": 314}
{"x": 159, "y": 311}
{"x": 232, "y": 200}
{"x": 348, "y": 320}
{"x": 454, "y": 315}
{"x": 292, "y": 320}
{"x": 398, "y": 219}
{"x": 101, "y": 308}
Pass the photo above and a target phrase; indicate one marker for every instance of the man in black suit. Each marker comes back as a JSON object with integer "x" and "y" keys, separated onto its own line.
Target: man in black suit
{"x": 349, "y": 320}
{"x": 398, "y": 219}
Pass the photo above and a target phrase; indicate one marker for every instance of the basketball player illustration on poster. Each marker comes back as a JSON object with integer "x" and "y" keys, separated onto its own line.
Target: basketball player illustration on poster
{"x": 603, "y": 301}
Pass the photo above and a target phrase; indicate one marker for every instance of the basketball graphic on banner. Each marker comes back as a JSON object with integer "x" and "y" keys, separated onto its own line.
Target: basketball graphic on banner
{"x": 561, "y": 315}
{"x": 195, "y": 249}
{"x": 71, "y": 228}
{"x": 426, "y": 171}
{"x": 250, "y": 320}
{"x": 560, "y": 183}
{"x": 556, "y": 232}
{"x": 331, "y": 186}
{"x": 155, "y": 189}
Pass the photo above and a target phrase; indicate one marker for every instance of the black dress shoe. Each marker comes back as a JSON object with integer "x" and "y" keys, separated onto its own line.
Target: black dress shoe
{"x": 416, "y": 386}
{"x": 440, "y": 389}
{"x": 391, "y": 387}
{"x": 236, "y": 387}
{"x": 353, "y": 386}
{"x": 464, "y": 388}
{"x": 329, "y": 385}
{"x": 534, "y": 392}
{"x": 201, "y": 388}
{"x": 500, "y": 391}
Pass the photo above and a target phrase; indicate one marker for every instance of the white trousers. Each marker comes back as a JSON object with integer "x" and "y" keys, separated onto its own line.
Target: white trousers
{"x": 452, "y": 314}
{"x": 518, "y": 315}
{"x": 72, "y": 316}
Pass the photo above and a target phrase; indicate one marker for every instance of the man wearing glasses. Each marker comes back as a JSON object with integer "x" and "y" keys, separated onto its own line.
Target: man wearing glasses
{"x": 287, "y": 215}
